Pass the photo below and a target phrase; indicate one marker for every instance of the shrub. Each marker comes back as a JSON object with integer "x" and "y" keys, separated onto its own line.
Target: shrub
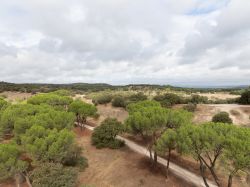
{"x": 119, "y": 101}
{"x": 102, "y": 99}
{"x": 137, "y": 97}
{"x": 222, "y": 117}
{"x": 245, "y": 98}
{"x": 198, "y": 99}
{"x": 104, "y": 135}
{"x": 169, "y": 99}
{"x": 190, "y": 107}
{"x": 52, "y": 174}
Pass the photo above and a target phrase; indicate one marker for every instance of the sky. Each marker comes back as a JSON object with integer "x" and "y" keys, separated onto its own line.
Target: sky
{"x": 177, "y": 42}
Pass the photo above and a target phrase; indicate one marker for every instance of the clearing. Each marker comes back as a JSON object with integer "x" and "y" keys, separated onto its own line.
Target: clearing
{"x": 122, "y": 167}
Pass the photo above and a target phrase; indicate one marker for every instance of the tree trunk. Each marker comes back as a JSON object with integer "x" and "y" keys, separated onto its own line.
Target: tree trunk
{"x": 216, "y": 179}
{"x": 202, "y": 171}
{"x": 230, "y": 181}
{"x": 169, "y": 155}
{"x": 155, "y": 159}
{"x": 27, "y": 179}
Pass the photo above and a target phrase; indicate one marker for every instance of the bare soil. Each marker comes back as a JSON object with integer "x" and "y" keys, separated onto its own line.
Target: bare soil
{"x": 219, "y": 95}
{"x": 16, "y": 96}
{"x": 239, "y": 113}
{"x": 120, "y": 168}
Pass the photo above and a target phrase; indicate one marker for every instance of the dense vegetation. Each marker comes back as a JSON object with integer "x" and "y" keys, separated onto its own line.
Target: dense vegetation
{"x": 245, "y": 98}
{"x": 42, "y": 139}
{"x": 215, "y": 146}
{"x": 34, "y": 88}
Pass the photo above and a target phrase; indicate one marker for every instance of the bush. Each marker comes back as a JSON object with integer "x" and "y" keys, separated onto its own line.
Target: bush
{"x": 222, "y": 117}
{"x": 137, "y": 97}
{"x": 245, "y": 98}
{"x": 196, "y": 99}
{"x": 102, "y": 99}
{"x": 190, "y": 107}
{"x": 169, "y": 99}
{"x": 119, "y": 101}
{"x": 51, "y": 174}
{"x": 105, "y": 134}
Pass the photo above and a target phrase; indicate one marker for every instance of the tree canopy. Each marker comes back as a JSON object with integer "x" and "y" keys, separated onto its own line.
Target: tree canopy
{"x": 105, "y": 134}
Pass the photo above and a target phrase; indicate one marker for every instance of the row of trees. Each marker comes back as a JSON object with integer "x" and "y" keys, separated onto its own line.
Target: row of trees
{"x": 43, "y": 146}
{"x": 213, "y": 145}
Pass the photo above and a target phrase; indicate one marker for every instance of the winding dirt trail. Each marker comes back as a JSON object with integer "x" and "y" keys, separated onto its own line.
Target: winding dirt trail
{"x": 175, "y": 169}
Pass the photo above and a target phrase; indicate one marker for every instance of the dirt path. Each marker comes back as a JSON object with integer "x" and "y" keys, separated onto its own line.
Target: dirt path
{"x": 120, "y": 167}
{"x": 177, "y": 170}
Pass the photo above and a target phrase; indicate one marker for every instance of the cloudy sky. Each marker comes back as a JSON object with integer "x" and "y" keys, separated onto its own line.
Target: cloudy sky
{"x": 178, "y": 42}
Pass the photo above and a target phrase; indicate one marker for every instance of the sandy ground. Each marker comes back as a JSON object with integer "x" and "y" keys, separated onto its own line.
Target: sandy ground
{"x": 120, "y": 168}
{"x": 219, "y": 95}
{"x": 239, "y": 113}
{"x": 16, "y": 96}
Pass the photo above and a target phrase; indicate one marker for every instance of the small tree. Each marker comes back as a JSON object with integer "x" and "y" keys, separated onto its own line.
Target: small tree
{"x": 105, "y": 134}
{"x": 167, "y": 143}
{"x": 148, "y": 119}
{"x": 53, "y": 174}
{"x": 222, "y": 117}
{"x": 245, "y": 98}
{"x": 82, "y": 111}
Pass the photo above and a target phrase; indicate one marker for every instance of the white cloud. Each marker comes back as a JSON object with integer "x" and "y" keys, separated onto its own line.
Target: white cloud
{"x": 125, "y": 41}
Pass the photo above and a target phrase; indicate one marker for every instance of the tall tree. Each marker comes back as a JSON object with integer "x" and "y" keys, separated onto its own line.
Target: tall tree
{"x": 148, "y": 119}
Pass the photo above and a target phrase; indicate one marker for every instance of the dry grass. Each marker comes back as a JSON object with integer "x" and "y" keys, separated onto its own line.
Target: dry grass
{"x": 16, "y": 96}
{"x": 120, "y": 168}
{"x": 240, "y": 115}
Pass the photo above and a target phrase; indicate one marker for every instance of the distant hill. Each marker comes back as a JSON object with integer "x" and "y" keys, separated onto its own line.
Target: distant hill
{"x": 43, "y": 87}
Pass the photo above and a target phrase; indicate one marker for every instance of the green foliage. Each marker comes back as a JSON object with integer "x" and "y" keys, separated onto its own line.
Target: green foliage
{"x": 237, "y": 154}
{"x": 169, "y": 99}
{"x": 52, "y": 99}
{"x": 21, "y": 117}
{"x": 222, "y": 117}
{"x": 245, "y": 98}
{"x": 119, "y": 101}
{"x": 211, "y": 142}
{"x": 102, "y": 99}
{"x": 10, "y": 163}
{"x": 178, "y": 118}
{"x": 53, "y": 175}
{"x": 3, "y": 104}
{"x": 167, "y": 141}
{"x": 190, "y": 107}
{"x": 137, "y": 97}
{"x": 196, "y": 99}
{"x": 82, "y": 109}
{"x": 105, "y": 134}
{"x": 50, "y": 145}
{"x": 62, "y": 92}
{"x": 146, "y": 117}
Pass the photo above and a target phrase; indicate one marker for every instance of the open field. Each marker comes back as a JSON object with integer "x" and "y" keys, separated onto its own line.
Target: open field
{"x": 15, "y": 96}
{"x": 219, "y": 95}
{"x": 239, "y": 113}
{"x": 123, "y": 168}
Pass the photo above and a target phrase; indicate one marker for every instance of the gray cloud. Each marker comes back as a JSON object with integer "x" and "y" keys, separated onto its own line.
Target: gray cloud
{"x": 124, "y": 41}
